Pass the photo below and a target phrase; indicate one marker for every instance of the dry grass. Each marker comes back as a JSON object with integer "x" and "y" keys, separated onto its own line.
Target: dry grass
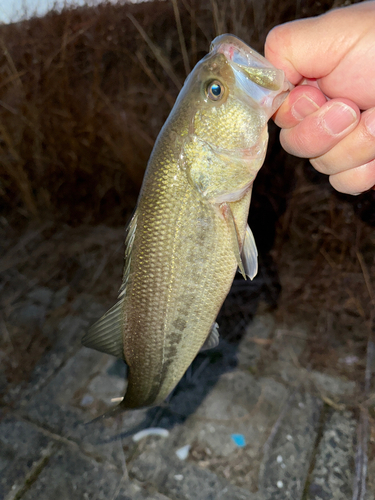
{"x": 324, "y": 254}
{"x": 84, "y": 93}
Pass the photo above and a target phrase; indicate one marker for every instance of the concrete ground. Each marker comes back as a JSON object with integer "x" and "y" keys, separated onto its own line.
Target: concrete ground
{"x": 254, "y": 429}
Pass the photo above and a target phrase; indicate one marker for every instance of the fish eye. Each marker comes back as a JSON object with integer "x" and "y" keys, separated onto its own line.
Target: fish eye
{"x": 215, "y": 90}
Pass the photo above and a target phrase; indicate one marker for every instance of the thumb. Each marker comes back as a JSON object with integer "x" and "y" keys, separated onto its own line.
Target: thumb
{"x": 314, "y": 47}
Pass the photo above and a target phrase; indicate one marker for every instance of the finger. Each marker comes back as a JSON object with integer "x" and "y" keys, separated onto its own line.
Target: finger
{"x": 320, "y": 131}
{"x": 297, "y": 48}
{"x": 357, "y": 148}
{"x": 356, "y": 180}
{"x": 314, "y": 47}
{"x": 301, "y": 102}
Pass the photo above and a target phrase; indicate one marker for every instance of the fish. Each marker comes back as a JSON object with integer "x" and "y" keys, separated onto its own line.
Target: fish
{"x": 189, "y": 231}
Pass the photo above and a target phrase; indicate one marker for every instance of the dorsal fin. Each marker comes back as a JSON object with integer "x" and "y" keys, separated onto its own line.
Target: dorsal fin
{"x": 129, "y": 240}
{"x": 106, "y": 334}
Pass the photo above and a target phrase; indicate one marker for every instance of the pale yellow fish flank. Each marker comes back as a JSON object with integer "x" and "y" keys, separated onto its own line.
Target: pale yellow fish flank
{"x": 189, "y": 232}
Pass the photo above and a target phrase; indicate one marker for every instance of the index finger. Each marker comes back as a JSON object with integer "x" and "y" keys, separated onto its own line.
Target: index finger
{"x": 301, "y": 102}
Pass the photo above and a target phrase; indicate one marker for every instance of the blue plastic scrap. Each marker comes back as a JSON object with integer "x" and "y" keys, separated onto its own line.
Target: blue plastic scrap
{"x": 239, "y": 440}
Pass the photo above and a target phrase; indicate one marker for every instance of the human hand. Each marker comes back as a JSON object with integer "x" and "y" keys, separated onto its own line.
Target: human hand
{"x": 331, "y": 55}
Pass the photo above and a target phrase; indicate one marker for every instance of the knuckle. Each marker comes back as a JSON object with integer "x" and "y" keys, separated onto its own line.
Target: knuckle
{"x": 297, "y": 141}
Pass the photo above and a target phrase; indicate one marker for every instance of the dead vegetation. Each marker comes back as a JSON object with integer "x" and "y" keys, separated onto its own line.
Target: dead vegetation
{"x": 84, "y": 93}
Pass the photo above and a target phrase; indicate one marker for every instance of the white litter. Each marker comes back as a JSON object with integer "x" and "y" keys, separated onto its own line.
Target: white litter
{"x": 179, "y": 477}
{"x": 117, "y": 400}
{"x": 183, "y": 452}
{"x": 151, "y": 431}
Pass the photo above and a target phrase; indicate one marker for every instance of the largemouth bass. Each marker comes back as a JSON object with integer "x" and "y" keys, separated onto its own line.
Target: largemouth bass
{"x": 189, "y": 232}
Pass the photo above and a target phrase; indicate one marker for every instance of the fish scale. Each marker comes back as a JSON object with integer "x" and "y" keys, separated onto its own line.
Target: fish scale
{"x": 189, "y": 232}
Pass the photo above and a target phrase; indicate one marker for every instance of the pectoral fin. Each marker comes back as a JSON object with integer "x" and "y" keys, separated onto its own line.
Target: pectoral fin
{"x": 249, "y": 254}
{"x": 247, "y": 259}
{"x": 106, "y": 334}
{"x": 212, "y": 339}
{"x": 236, "y": 242}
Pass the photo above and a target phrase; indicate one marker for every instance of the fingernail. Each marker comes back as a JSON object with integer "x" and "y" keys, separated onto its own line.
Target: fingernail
{"x": 303, "y": 107}
{"x": 370, "y": 122}
{"x": 338, "y": 117}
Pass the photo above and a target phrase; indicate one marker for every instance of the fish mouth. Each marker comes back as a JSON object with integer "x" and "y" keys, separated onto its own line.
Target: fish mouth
{"x": 236, "y": 51}
{"x": 255, "y": 76}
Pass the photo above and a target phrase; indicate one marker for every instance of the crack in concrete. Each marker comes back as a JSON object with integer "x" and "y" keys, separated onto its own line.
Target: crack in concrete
{"x": 34, "y": 473}
{"x": 61, "y": 439}
{"x": 319, "y": 436}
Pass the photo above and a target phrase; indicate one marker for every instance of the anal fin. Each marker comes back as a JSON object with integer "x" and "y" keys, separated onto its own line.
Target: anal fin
{"x": 212, "y": 339}
{"x": 106, "y": 334}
